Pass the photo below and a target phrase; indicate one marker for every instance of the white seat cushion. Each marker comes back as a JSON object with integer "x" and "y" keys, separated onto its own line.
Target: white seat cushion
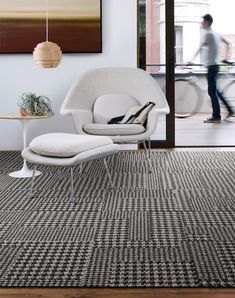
{"x": 113, "y": 129}
{"x": 66, "y": 144}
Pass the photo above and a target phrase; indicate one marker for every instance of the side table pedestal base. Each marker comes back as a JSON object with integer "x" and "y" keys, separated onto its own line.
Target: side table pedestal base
{"x": 25, "y": 172}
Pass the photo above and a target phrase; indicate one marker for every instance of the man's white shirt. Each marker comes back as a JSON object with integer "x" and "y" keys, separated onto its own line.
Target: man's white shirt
{"x": 212, "y": 42}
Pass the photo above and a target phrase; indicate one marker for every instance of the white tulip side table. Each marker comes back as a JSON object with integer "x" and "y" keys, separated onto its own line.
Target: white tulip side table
{"x": 25, "y": 172}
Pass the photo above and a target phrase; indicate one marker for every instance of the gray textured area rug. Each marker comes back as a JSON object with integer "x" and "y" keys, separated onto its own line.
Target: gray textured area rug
{"x": 172, "y": 228}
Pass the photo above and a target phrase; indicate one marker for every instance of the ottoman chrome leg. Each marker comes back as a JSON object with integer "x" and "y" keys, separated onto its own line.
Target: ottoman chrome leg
{"x": 32, "y": 181}
{"x": 107, "y": 170}
{"x": 59, "y": 172}
{"x": 71, "y": 186}
{"x": 80, "y": 168}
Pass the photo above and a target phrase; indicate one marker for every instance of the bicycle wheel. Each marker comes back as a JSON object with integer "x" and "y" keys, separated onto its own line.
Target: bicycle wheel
{"x": 188, "y": 98}
{"x": 229, "y": 93}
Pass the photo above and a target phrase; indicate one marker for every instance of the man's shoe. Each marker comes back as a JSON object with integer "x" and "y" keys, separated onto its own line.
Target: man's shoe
{"x": 230, "y": 114}
{"x": 212, "y": 120}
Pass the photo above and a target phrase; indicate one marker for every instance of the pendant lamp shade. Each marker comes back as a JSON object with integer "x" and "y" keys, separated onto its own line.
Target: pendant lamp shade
{"x": 47, "y": 54}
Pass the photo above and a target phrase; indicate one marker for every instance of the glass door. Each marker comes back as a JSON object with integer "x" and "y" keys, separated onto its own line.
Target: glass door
{"x": 156, "y": 56}
{"x": 192, "y": 102}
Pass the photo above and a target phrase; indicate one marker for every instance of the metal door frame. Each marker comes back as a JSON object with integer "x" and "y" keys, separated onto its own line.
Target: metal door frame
{"x": 170, "y": 72}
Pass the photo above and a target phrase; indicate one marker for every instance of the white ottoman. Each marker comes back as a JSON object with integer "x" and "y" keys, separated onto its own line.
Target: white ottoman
{"x": 68, "y": 150}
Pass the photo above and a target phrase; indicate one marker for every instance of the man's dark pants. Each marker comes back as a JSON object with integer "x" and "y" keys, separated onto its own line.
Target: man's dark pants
{"x": 214, "y": 93}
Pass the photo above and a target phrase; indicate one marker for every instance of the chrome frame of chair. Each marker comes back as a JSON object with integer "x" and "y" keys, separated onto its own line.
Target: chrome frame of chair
{"x": 147, "y": 150}
{"x": 148, "y": 153}
{"x": 108, "y": 173}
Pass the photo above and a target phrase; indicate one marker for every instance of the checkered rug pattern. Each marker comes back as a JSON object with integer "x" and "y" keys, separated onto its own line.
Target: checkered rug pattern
{"x": 174, "y": 227}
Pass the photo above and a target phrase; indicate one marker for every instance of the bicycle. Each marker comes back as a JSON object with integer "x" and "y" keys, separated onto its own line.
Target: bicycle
{"x": 193, "y": 87}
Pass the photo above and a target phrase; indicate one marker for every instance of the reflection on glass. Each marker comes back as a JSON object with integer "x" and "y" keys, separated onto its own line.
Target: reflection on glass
{"x": 191, "y": 96}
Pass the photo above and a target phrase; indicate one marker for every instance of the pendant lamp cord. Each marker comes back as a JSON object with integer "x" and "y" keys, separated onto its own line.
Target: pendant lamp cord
{"x": 46, "y": 19}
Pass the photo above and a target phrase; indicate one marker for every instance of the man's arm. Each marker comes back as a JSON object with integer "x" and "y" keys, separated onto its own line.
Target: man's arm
{"x": 202, "y": 45}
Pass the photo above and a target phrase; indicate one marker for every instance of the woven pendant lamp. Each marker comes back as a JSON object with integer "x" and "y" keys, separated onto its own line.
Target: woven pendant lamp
{"x": 47, "y": 54}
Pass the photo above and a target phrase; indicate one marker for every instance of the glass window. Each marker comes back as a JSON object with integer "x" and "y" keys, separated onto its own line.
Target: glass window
{"x": 179, "y": 44}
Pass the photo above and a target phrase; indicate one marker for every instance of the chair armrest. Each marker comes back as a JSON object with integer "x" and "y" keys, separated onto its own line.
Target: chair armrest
{"x": 80, "y": 118}
{"x": 163, "y": 111}
{"x": 152, "y": 121}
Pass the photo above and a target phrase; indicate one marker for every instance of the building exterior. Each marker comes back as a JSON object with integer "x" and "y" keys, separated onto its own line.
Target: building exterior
{"x": 152, "y": 34}
{"x": 231, "y": 39}
{"x": 188, "y": 31}
{"x": 188, "y": 17}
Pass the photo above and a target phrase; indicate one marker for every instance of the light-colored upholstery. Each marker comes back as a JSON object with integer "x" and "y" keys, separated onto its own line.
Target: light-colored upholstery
{"x": 113, "y": 129}
{"x": 109, "y": 106}
{"x": 66, "y": 144}
{"x": 87, "y": 148}
{"x": 78, "y": 159}
{"x": 88, "y": 100}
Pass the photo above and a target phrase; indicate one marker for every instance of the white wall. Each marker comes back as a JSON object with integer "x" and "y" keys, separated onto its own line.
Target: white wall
{"x": 18, "y": 73}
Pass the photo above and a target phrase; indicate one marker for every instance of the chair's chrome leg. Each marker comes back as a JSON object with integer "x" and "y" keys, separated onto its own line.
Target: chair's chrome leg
{"x": 148, "y": 158}
{"x": 107, "y": 170}
{"x": 150, "y": 165}
{"x": 145, "y": 149}
{"x": 71, "y": 186}
{"x": 149, "y": 147}
{"x": 114, "y": 161}
{"x": 32, "y": 181}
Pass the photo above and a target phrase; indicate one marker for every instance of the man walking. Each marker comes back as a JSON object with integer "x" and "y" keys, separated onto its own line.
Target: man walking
{"x": 212, "y": 42}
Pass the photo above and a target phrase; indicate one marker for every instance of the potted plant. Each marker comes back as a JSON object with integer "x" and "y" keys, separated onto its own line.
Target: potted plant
{"x": 33, "y": 105}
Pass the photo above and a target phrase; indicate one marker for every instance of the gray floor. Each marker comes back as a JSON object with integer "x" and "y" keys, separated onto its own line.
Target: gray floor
{"x": 193, "y": 132}
{"x": 173, "y": 227}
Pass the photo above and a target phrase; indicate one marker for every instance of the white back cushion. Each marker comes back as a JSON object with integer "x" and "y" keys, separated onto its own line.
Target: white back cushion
{"x": 112, "y": 105}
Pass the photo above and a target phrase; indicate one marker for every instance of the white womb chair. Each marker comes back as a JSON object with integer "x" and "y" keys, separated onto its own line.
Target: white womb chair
{"x": 103, "y": 93}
